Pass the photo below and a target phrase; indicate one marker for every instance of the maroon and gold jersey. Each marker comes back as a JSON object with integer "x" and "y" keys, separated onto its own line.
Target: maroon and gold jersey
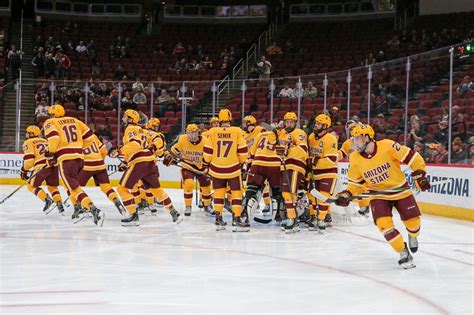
{"x": 190, "y": 153}
{"x": 225, "y": 150}
{"x": 297, "y": 149}
{"x": 34, "y": 150}
{"x": 94, "y": 154}
{"x": 66, "y": 136}
{"x": 381, "y": 170}
{"x": 324, "y": 149}
{"x": 135, "y": 146}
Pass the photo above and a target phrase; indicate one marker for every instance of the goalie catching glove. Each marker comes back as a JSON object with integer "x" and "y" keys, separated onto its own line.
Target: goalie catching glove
{"x": 421, "y": 182}
{"x": 169, "y": 160}
{"x": 342, "y": 198}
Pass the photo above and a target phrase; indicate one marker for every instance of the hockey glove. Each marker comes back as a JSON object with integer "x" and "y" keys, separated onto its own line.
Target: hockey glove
{"x": 122, "y": 167}
{"x": 281, "y": 150}
{"x": 343, "y": 198}
{"x": 421, "y": 182}
{"x": 169, "y": 160}
{"x": 24, "y": 174}
{"x": 51, "y": 159}
{"x": 152, "y": 148}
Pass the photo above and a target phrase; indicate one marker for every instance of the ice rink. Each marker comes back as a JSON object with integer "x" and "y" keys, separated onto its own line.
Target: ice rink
{"x": 50, "y": 265}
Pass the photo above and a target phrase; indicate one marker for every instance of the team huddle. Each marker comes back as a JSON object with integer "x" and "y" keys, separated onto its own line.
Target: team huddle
{"x": 283, "y": 164}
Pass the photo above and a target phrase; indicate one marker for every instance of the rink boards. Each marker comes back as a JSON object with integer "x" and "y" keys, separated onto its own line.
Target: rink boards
{"x": 451, "y": 198}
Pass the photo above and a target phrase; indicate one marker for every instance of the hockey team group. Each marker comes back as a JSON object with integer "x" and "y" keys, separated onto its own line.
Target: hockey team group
{"x": 276, "y": 162}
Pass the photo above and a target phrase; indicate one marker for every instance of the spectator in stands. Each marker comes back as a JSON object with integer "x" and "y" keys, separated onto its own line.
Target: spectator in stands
{"x": 458, "y": 156}
{"x": 38, "y": 65}
{"x": 224, "y": 54}
{"x": 163, "y": 101}
{"x": 127, "y": 101}
{"x": 138, "y": 85}
{"x": 94, "y": 63}
{"x": 440, "y": 155}
{"x": 120, "y": 73}
{"x": 370, "y": 60}
{"x": 49, "y": 66}
{"x": 200, "y": 51}
{"x": 118, "y": 42}
{"x": 394, "y": 42}
{"x": 310, "y": 90}
{"x": 380, "y": 57}
{"x": 465, "y": 86}
{"x": 102, "y": 131}
{"x": 113, "y": 99}
{"x": 265, "y": 68}
{"x": 81, "y": 48}
{"x": 38, "y": 42}
{"x": 286, "y": 92}
{"x": 442, "y": 135}
{"x": 69, "y": 48}
{"x": 274, "y": 49}
{"x": 334, "y": 114}
{"x": 207, "y": 63}
{"x": 179, "y": 49}
{"x": 381, "y": 105}
{"x": 394, "y": 93}
{"x": 124, "y": 53}
{"x": 404, "y": 39}
{"x": 14, "y": 64}
{"x": 289, "y": 46}
{"x": 64, "y": 64}
{"x": 298, "y": 92}
{"x": 457, "y": 116}
{"x": 194, "y": 65}
{"x": 106, "y": 142}
{"x": 180, "y": 65}
{"x": 91, "y": 46}
{"x": 41, "y": 111}
{"x": 416, "y": 133}
{"x": 420, "y": 148}
{"x": 139, "y": 98}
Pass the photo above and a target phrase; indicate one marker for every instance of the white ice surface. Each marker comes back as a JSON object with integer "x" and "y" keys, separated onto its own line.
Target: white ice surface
{"x": 48, "y": 265}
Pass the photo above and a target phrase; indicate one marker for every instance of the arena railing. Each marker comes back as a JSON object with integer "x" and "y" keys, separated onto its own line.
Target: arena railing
{"x": 420, "y": 100}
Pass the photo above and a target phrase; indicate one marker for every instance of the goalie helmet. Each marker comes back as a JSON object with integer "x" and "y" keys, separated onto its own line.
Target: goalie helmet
{"x": 57, "y": 111}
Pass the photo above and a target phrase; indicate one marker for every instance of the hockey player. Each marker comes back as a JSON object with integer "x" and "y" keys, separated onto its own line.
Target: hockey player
{"x": 225, "y": 151}
{"x": 265, "y": 167}
{"x": 34, "y": 159}
{"x": 293, "y": 150}
{"x": 344, "y": 152}
{"x": 377, "y": 163}
{"x": 190, "y": 150}
{"x": 323, "y": 168}
{"x": 140, "y": 165}
{"x": 251, "y": 132}
{"x": 213, "y": 123}
{"x": 66, "y": 136}
{"x": 94, "y": 167}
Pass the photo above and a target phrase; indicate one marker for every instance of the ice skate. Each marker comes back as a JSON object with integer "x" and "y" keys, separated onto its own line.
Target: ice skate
{"x": 132, "y": 220}
{"x": 97, "y": 215}
{"x": 60, "y": 206}
{"x": 220, "y": 224}
{"x": 177, "y": 218}
{"x": 413, "y": 243}
{"x": 200, "y": 204}
{"x": 119, "y": 206}
{"x": 364, "y": 211}
{"x": 291, "y": 226}
{"x": 209, "y": 210}
{"x": 154, "y": 208}
{"x": 328, "y": 220}
{"x": 312, "y": 223}
{"x": 187, "y": 211}
{"x": 48, "y": 202}
{"x": 78, "y": 214}
{"x": 142, "y": 207}
{"x": 406, "y": 260}
{"x": 240, "y": 224}
{"x": 321, "y": 225}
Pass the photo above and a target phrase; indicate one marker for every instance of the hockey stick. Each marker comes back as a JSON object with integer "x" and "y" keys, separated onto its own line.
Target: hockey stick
{"x": 4, "y": 169}
{"x": 326, "y": 199}
{"x": 180, "y": 166}
{"x": 26, "y": 182}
